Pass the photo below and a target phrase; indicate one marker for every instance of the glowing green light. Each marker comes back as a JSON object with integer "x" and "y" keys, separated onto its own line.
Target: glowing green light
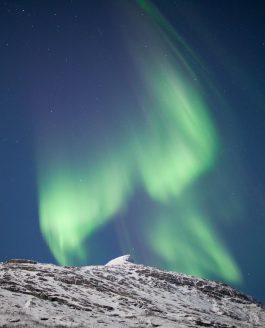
{"x": 194, "y": 237}
{"x": 72, "y": 208}
{"x": 182, "y": 143}
{"x": 174, "y": 145}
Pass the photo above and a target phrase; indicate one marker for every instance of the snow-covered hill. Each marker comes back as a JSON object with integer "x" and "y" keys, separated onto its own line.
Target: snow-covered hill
{"x": 120, "y": 294}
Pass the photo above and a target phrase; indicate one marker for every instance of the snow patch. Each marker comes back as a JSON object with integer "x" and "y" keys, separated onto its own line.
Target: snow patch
{"x": 125, "y": 259}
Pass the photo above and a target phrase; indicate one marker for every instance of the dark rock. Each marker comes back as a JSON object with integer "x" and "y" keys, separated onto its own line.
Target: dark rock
{"x": 119, "y": 295}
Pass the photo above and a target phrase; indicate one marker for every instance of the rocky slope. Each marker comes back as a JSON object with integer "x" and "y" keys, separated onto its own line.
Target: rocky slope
{"x": 120, "y": 294}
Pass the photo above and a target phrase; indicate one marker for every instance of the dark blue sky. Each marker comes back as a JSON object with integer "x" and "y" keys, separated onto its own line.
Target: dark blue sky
{"x": 59, "y": 55}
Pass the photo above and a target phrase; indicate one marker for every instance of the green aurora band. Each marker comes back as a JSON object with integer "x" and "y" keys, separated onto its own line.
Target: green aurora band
{"x": 165, "y": 154}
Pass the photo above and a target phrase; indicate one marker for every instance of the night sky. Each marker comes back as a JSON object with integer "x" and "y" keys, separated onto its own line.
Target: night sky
{"x": 135, "y": 127}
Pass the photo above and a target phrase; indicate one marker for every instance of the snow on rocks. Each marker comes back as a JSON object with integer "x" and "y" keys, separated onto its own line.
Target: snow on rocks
{"x": 118, "y": 295}
{"x": 121, "y": 260}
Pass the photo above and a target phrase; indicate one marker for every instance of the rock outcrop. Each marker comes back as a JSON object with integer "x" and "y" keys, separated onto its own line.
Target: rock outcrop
{"x": 120, "y": 294}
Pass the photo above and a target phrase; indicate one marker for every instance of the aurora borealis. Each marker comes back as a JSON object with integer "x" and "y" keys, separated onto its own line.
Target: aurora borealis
{"x": 134, "y": 128}
{"x": 174, "y": 144}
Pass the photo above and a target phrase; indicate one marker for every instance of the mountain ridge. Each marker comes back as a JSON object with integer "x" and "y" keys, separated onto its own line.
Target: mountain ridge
{"x": 119, "y": 294}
